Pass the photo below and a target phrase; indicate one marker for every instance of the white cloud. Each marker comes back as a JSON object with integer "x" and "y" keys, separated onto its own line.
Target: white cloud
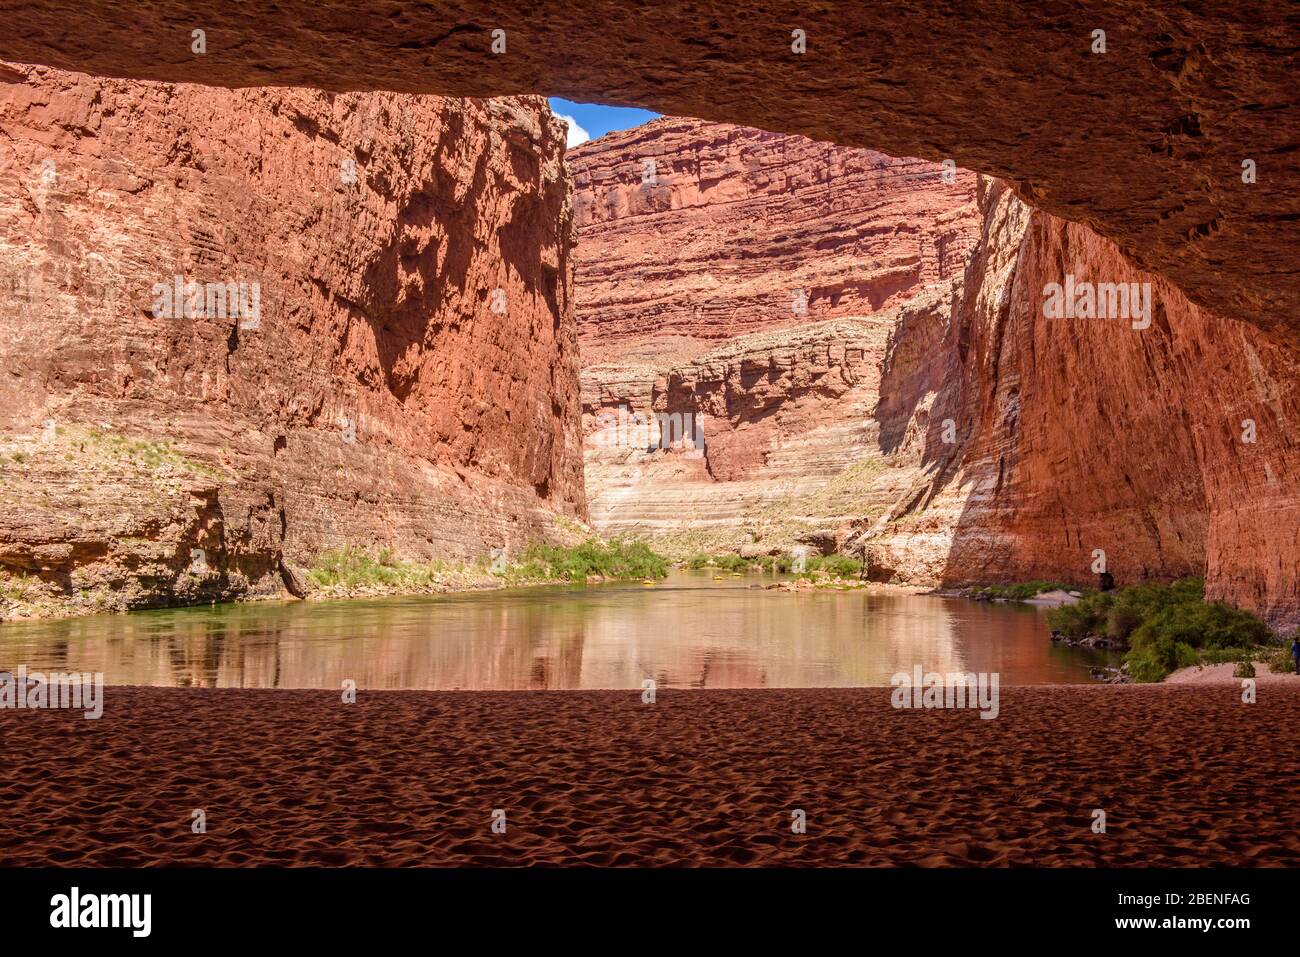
{"x": 576, "y": 133}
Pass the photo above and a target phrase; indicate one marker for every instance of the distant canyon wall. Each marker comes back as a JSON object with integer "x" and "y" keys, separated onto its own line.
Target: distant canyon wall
{"x": 745, "y": 283}
{"x": 949, "y": 428}
{"x": 408, "y": 377}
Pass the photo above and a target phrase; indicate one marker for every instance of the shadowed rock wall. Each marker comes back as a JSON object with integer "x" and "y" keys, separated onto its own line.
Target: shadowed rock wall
{"x": 409, "y": 379}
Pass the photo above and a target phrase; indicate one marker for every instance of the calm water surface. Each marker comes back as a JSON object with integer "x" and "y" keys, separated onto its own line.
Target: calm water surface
{"x": 687, "y": 632}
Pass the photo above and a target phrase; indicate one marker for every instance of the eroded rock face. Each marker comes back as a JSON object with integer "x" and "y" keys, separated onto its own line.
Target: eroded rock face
{"x": 959, "y": 433}
{"x": 404, "y": 373}
{"x": 1133, "y": 119}
{"x": 712, "y": 231}
{"x": 740, "y": 288}
{"x": 1169, "y": 448}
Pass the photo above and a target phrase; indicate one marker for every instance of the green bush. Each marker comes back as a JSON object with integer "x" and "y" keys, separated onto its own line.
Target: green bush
{"x": 351, "y": 567}
{"x": 1165, "y": 627}
{"x": 727, "y": 562}
{"x": 1219, "y": 656}
{"x": 837, "y": 566}
{"x": 1136, "y": 604}
{"x": 731, "y": 563}
{"x": 1141, "y": 613}
{"x": 1086, "y": 617}
{"x": 618, "y": 558}
{"x": 1280, "y": 661}
{"x": 1202, "y": 625}
{"x": 1155, "y": 660}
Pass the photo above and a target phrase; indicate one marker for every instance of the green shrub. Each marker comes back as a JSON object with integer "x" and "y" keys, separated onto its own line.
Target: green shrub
{"x": 1202, "y": 625}
{"x": 727, "y": 561}
{"x": 1166, "y": 627}
{"x": 351, "y": 567}
{"x": 837, "y": 566}
{"x": 730, "y": 562}
{"x": 1140, "y": 614}
{"x": 1219, "y": 656}
{"x": 1136, "y": 604}
{"x": 1245, "y": 669}
{"x": 1086, "y": 617}
{"x": 618, "y": 558}
{"x": 1280, "y": 661}
{"x": 1154, "y": 661}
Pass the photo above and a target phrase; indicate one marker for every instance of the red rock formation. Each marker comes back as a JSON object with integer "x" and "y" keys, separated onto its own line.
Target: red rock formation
{"x": 747, "y": 281}
{"x": 383, "y": 397}
{"x": 974, "y": 438}
{"x": 1169, "y": 448}
{"x": 694, "y": 232}
{"x": 1143, "y": 142}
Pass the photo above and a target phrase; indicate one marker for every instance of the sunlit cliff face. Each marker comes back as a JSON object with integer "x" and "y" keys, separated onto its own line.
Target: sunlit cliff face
{"x": 875, "y": 359}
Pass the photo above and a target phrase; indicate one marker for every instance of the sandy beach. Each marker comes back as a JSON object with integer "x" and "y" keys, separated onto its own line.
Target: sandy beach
{"x": 1223, "y": 674}
{"x": 1186, "y": 776}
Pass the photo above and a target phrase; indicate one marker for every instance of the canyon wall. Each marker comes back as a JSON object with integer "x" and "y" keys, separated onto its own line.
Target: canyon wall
{"x": 743, "y": 284}
{"x": 953, "y": 432}
{"x": 403, "y": 375}
{"x": 1167, "y": 447}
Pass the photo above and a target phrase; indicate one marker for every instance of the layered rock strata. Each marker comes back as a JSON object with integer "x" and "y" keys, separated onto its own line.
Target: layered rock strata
{"x": 743, "y": 285}
{"x": 1165, "y": 449}
{"x": 974, "y": 429}
{"x": 392, "y": 254}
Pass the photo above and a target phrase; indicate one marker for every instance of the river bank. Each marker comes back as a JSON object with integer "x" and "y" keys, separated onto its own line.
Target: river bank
{"x": 353, "y": 573}
{"x": 344, "y": 576}
{"x": 1225, "y": 674}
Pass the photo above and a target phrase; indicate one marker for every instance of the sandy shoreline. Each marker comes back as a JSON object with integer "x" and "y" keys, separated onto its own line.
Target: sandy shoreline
{"x": 1222, "y": 674}
{"x": 1186, "y": 776}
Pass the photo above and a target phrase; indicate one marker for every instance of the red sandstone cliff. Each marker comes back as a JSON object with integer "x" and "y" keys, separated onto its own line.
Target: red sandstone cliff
{"x": 950, "y": 426}
{"x": 747, "y": 281}
{"x": 695, "y": 232}
{"x": 1169, "y": 447}
{"x": 383, "y": 397}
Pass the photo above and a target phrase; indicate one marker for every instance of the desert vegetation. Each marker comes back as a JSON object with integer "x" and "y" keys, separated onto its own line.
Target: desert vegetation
{"x": 352, "y": 570}
{"x": 615, "y": 559}
{"x": 1166, "y": 627}
{"x": 835, "y": 566}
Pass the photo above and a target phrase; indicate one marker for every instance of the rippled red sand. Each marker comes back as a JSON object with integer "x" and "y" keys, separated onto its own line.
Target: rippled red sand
{"x": 1186, "y": 776}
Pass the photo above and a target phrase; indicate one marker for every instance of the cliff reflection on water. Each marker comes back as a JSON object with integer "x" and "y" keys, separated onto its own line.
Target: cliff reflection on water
{"x": 687, "y": 632}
